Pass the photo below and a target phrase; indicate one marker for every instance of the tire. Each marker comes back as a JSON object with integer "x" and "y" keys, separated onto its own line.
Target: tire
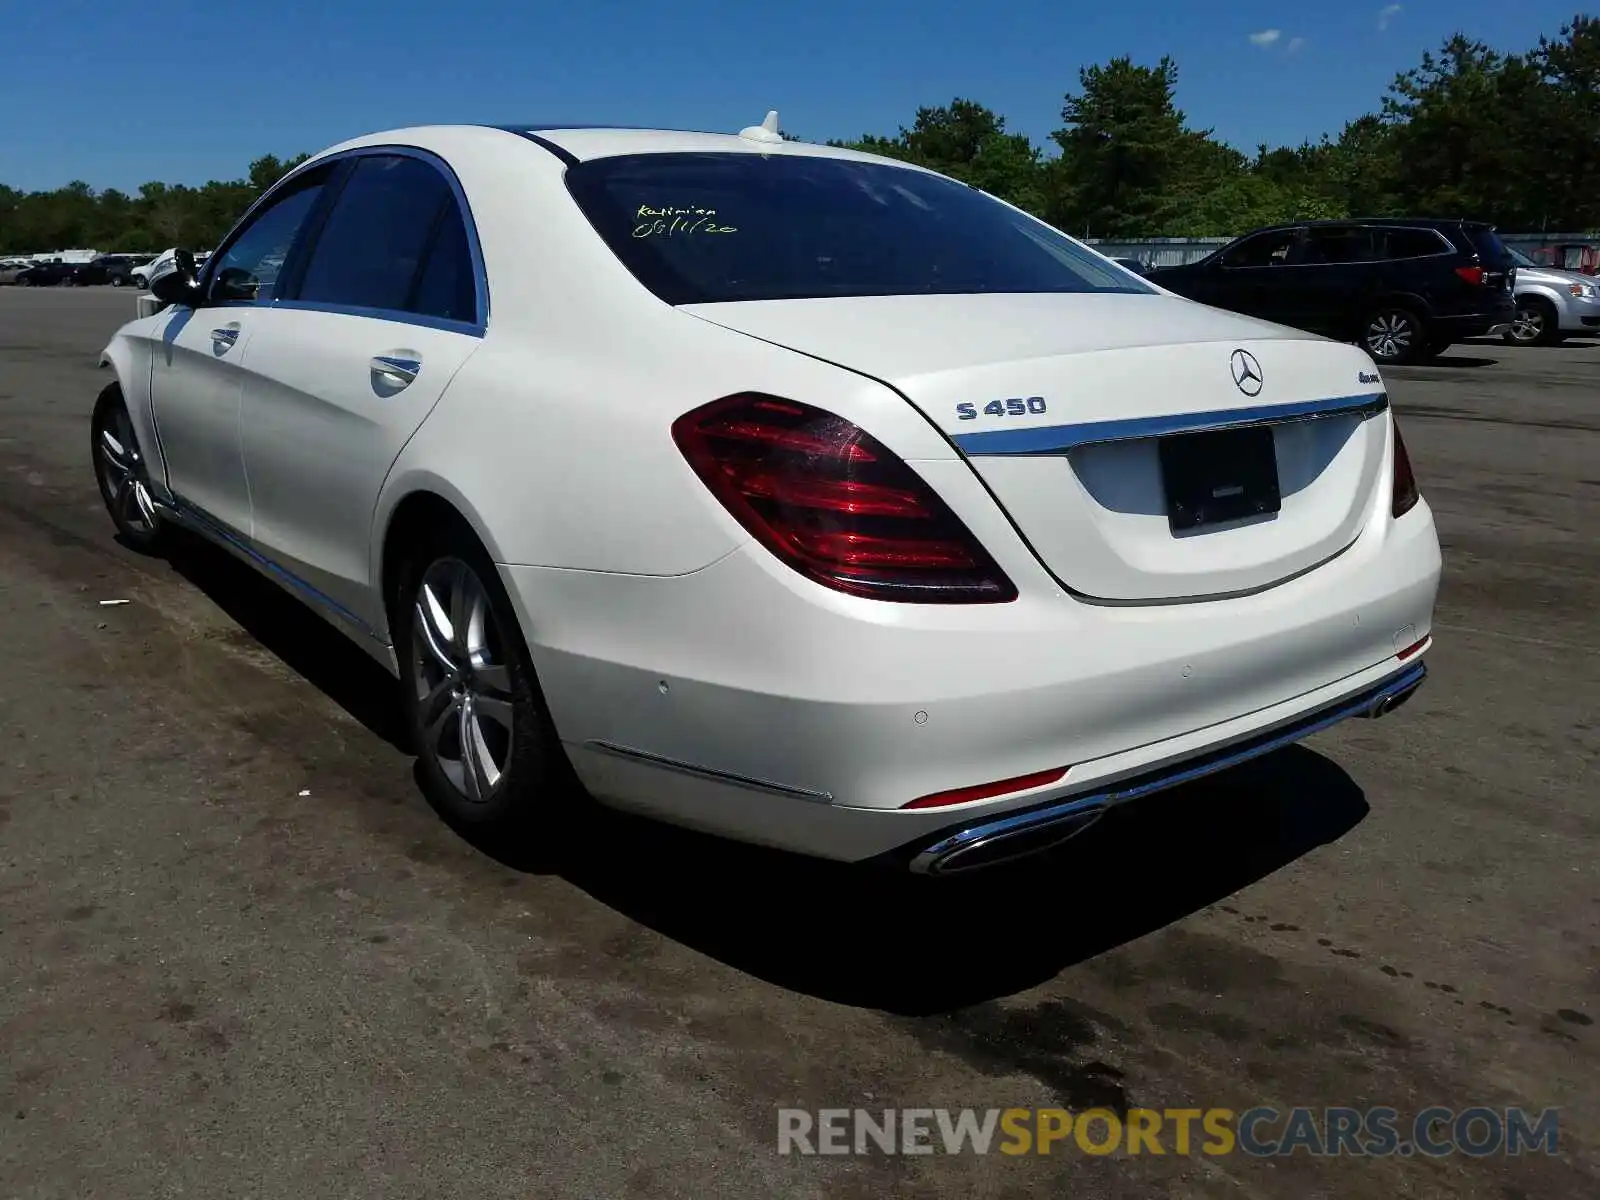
{"x": 116, "y": 281}
{"x": 515, "y": 781}
{"x": 121, "y": 471}
{"x": 1394, "y": 336}
{"x": 138, "y": 282}
{"x": 20, "y": 281}
{"x": 1536, "y": 323}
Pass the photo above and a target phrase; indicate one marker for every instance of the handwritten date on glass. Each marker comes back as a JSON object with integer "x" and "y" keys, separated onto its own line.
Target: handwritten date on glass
{"x": 677, "y": 222}
{"x": 1014, "y": 407}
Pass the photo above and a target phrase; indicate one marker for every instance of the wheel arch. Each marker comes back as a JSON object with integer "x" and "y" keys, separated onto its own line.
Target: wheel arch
{"x": 423, "y": 502}
{"x": 1539, "y": 291}
{"x": 1410, "y": 301}
{"x": 130, "y": 362}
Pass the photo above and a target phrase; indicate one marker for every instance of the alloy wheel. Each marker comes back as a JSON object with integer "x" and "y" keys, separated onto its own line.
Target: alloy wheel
{"x": 123, "y": 478}
{"x": 1390, "y": 335}
{"x": 1528, "y": 324}
{"x": 463, "y": 684}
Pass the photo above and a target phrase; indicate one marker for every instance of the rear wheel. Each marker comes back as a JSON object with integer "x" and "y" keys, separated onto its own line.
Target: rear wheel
{"x": 488, "y": 750}
{"x": 122, "y": 473}
{"x": 1536, "y": 323}
{"x": 1394, "y": 336}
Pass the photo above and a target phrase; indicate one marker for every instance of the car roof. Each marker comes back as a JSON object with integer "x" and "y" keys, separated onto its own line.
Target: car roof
{"x": 583, "y": 143}
{"x": 1406, "y": 222}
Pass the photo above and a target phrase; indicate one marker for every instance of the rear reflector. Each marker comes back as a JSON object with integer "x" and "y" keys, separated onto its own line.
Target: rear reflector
{"x": 1413, "y": 648}
{"x": 985, "y": 791}
{"x": 835, "y": 505}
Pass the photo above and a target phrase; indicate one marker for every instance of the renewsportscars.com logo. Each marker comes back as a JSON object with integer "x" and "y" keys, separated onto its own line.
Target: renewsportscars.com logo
{"x": 1261, "y": 1132}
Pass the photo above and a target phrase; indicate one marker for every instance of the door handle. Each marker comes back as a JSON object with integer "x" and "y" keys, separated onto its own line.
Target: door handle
{"x": 401, "y": 371}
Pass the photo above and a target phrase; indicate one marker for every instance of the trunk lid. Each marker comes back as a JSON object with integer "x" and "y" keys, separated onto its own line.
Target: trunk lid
{"x": 1102, "y": 381}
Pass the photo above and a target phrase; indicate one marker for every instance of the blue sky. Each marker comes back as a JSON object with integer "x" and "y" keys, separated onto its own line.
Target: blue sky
{"x": 117, "y": 93}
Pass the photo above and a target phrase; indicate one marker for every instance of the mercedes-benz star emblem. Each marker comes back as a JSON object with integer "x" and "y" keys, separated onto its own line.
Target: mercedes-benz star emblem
{"x": 1246, "y": 372}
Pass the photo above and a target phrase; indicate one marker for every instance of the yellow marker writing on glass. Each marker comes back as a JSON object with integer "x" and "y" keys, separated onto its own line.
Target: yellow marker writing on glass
{"x": 675, "y": 222}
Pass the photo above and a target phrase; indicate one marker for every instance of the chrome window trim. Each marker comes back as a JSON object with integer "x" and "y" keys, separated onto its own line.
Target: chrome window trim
{"x": 478, "y": 328}
{"x": 1062, "y": 439}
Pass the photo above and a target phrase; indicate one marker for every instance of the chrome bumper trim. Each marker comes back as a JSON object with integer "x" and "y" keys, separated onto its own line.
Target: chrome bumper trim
{"x": 673, "y": 764}
{"x": 978, "y": 843}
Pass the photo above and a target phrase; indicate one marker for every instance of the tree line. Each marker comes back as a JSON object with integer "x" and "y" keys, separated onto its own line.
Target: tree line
{"x": 1512, "y": 138}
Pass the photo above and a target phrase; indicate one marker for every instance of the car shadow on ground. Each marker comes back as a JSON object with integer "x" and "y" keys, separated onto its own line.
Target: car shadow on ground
{"x": 865, "y": 936}
{"x": 288, "y": 629}
{"x": 1456, "y": 362}
{"x": 915, "y": 946}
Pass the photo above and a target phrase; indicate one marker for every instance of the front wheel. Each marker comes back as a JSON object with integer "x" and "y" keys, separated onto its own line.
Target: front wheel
{"x": 138, "y": 281}
{"x": 1394, "y": 336}
{"x": 122, "y": 473}
{"x": 116, "y": 281}
{"x": 1535, "y": 323}
{"x": 489, "y": 755}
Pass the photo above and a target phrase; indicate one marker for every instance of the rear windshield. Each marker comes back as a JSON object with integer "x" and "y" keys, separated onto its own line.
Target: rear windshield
{"x": 704, "y": 228}
{"x": 1488, "y": 244}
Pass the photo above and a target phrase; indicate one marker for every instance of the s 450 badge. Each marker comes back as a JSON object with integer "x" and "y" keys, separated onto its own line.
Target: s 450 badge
{"x": 1014, "y": 407}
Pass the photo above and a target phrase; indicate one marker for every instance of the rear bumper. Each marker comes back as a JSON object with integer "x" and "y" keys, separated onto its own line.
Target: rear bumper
{"x": 744, "y": 701}
{"x": 1457, "y": 327}
{"x": 988, "y": 842}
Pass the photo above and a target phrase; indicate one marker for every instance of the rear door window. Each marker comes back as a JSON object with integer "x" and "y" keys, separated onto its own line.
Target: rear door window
{"x": 373, "y": 249}
{"x": 1336, "y": 245}
{"x": 1413, "y": 243}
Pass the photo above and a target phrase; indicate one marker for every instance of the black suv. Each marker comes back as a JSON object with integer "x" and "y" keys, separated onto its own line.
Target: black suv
{"x": 1404, "y": 289}
{"x": 115, "y": 269}
{"x": 45, "y": 274}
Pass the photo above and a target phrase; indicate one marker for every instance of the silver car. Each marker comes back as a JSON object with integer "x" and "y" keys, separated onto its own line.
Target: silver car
{"x": 10, "y": 268}
{"x": 1552, "y": 304}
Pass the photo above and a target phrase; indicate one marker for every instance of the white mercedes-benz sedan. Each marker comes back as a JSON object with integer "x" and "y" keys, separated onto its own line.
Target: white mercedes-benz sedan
{"x": 772, "y": 489}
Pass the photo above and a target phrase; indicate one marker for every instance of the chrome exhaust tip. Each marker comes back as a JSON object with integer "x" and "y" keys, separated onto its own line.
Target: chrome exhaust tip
{"x": 1006, "y": 847}
{"x": 1389, "y": 703}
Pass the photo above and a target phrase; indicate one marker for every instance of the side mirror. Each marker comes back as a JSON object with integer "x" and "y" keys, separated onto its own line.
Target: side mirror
{"x": 181, "y": 285}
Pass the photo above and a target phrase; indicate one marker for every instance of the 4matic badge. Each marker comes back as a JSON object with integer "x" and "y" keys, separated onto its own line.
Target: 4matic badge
{"x": 1016, "y": 406}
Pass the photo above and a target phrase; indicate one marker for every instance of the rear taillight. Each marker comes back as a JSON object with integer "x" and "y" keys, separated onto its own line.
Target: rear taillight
{"x": 834, "y": 504}
{"x": 1406, "y": 494}
{"x": 1471, "y": 274}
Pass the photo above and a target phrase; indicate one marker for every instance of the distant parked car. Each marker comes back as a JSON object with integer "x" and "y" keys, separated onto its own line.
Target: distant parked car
{"x": 1133, "y": 264}
{"x": 139, "y": 275}
{"x": 115, "y": 269}
{"x": 1404, "y": 289}
{"x": 48, "y": 274}
{"x": 12, "y": 267}
{"x": 1552, "y": 304}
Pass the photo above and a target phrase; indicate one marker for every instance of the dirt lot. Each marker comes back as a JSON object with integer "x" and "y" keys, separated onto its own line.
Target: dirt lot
{"x": 240, "y": 956}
